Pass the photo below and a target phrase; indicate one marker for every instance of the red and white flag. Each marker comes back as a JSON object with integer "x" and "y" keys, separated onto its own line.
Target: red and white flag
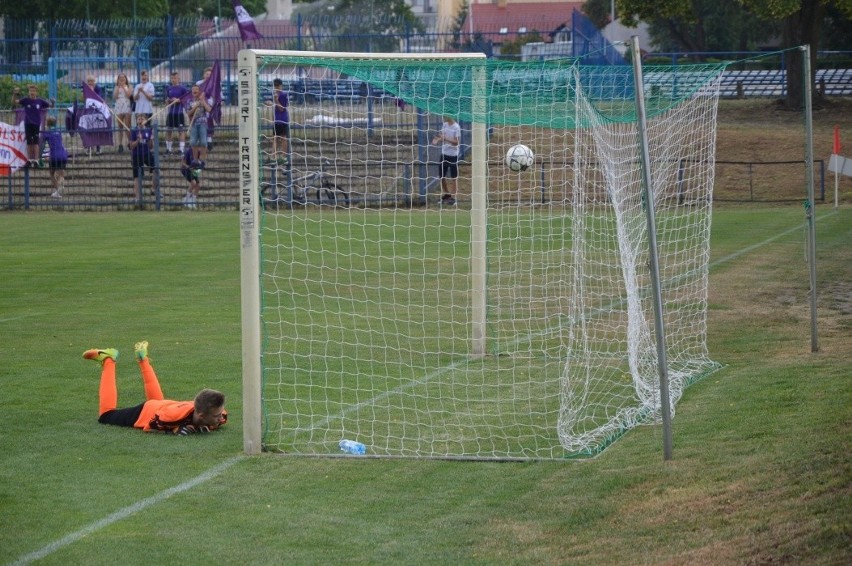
{"x": 13, "y": 148}
{"x": 837, "y": 163}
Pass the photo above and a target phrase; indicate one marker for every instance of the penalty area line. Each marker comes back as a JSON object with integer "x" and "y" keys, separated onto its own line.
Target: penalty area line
{"x": 127, "y": 512}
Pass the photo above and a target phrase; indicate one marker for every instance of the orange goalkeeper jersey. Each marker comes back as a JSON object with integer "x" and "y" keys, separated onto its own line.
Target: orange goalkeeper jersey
{"x": 168, "y": 416}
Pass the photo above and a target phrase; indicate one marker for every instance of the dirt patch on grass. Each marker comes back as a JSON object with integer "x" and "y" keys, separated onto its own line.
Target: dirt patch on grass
{"x": 763, "y": 131}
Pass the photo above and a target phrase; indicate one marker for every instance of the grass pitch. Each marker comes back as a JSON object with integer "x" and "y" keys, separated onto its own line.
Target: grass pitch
{"x": 761, "y": 469}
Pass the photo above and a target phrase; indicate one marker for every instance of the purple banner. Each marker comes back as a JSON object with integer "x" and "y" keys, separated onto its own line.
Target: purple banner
{"x": 94, "y": 120}
{"x": 212, "y": 89}
{"x": 248, "y": 31}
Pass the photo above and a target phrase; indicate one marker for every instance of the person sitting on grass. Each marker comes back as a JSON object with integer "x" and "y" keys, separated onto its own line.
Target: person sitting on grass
{"x": 206, "y": 413}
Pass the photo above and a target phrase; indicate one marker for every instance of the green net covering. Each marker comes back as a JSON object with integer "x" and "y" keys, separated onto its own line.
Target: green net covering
{"x": 538, "y": 93}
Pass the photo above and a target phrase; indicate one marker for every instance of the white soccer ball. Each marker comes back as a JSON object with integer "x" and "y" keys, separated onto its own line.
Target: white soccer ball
{"x": 519, "y": 158}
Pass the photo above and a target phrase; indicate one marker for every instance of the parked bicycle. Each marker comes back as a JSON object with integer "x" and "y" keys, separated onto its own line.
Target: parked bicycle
{"x": 316, "y": 187}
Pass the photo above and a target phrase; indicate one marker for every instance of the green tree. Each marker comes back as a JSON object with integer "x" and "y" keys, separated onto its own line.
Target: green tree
{"x": 598, "y": 11}
{"x": 360, "y": 25}
{"x": 686, "y": 23}
{"x": 699, "y": 26}
{"x": 802, "y": 24}
{"x": 98, "y": 9}
{"x": 513, "y": 48}
{"x": 456, "y": 30}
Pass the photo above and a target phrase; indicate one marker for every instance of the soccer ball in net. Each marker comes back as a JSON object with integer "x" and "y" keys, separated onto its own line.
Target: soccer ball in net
{"x": 519, "y": 158}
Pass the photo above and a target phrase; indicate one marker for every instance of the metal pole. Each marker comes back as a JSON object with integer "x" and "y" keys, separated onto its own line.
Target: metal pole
{"x": 659, "y": 325}
{"x": 809, "y": 173}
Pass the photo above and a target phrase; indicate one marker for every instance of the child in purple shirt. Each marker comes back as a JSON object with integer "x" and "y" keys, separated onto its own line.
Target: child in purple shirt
{"x": 281, "y": 124}
{"x": 58, "y": 159}
{"x": 142, "y": 153}
{"x": 33, "y": 108}
{"x": 175, "y": 93}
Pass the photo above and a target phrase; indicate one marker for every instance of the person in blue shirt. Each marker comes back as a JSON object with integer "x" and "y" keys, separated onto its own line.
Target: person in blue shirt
{"x": 191, "y": 168}
{"x": 142, "y": 154}
{"x": 282, "y": 121}
{"x": 58, "y": 157}
{"x": 33, "y": 109}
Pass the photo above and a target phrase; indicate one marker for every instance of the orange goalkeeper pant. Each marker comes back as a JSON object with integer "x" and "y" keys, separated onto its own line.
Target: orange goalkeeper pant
{"x": 108, "y": 392}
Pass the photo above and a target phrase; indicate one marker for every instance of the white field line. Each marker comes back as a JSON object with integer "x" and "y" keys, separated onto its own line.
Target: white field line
{"x": 127, "y": 512}
{"x": 219, "y": 468}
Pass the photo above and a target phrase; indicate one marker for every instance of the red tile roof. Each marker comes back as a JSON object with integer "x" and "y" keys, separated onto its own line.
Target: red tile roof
{"x": 543, "y": 17}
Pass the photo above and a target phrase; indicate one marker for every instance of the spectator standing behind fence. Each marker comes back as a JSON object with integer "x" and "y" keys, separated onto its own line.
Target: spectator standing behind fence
{"x": 199, "y": 110}
{"x": 281, "y": 122}
{"x": 174, "y": 118}
{"x": 122, "y": 94}
{"x": 449, "y": 138}
{"x": 206, "y": 75}
{"x": 142, "y": 154}
{"x": 58, "y": 157}
{"x": 143, "y": 94}
{"x": 33, "y": 107}
{"x": 96, "y": 88}
{"x": 190, "y": 168}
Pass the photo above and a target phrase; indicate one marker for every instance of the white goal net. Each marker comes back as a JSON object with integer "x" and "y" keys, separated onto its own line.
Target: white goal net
{"x": 513, "y": 324}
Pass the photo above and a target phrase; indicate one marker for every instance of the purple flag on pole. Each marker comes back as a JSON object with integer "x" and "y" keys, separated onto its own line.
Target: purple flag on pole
{"x": 247, "y": 29}
{"x": 212, "y": 89}
{"x": 94, "y": 120}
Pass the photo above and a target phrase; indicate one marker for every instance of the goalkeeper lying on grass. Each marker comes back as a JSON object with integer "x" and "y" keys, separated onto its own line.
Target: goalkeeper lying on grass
{"x": 205, "y": 413}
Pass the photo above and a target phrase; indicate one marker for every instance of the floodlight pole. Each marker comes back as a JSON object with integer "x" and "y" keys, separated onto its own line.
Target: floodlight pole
{"x": 647, "y": 180}
{"x": 809, "y": 173}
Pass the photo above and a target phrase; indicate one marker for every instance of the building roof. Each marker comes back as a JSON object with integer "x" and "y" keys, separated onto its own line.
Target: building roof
{"x": 505, "y": 21}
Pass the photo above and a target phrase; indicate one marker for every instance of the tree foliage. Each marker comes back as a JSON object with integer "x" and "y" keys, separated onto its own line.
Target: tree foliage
{"x": 689, "y": 24}
{"x": 456, "y": 28}
{"x": 698, "y": 26}
{"x": 98, "y": 9}
{"x": 514, "y": 46}
{"x": 361, "y": 25}
{"x": 599, "y": 12}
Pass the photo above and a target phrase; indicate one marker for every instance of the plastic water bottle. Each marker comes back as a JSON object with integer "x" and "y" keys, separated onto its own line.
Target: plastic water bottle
{"x": 353, "y": 447}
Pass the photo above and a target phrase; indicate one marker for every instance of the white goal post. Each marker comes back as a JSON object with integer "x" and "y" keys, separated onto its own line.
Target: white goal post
{"x": 511, "y": 325}
{"x": 250, "y": 210}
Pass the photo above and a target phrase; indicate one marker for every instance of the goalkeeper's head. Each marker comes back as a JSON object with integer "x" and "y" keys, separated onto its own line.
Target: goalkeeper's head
{"x": 209, "y": 407}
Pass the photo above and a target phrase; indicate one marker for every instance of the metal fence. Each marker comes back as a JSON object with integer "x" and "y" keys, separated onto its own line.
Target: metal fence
{"x": 59, "y": 55}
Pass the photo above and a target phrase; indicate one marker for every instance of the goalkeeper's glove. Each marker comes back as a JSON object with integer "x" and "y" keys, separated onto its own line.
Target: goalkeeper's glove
{"x": 192, "y": 429}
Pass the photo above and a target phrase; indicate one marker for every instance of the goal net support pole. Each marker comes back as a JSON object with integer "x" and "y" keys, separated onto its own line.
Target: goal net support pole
{"x": 653, "y": 256}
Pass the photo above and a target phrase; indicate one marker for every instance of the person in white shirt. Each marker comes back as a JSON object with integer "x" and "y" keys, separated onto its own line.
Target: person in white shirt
{"x": 449, "y": 138}
{"x": 143, "y": 94}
